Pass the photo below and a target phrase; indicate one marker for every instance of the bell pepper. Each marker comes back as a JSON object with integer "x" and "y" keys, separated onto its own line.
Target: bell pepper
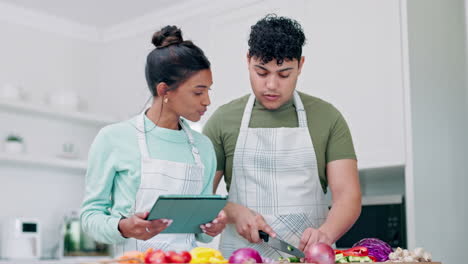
{"x": 206, "y": 255}
{"x": 355, "y": 254}
{"x": 218, "y": 260}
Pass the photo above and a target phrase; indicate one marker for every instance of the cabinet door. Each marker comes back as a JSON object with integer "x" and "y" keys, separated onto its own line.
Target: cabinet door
{"x": 352, "y": 60}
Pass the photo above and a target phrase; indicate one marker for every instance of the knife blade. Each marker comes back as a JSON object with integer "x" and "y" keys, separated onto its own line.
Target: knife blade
{"x": 280, "y": 245}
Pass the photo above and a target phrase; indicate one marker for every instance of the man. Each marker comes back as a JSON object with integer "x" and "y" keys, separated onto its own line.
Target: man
{"x": 279, "y": 149}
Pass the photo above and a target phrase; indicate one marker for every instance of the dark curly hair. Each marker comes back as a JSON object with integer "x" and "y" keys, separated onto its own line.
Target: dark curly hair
{"x": 276, "y": 37}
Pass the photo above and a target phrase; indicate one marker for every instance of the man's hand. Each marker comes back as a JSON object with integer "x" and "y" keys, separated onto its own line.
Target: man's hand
{"x": 137, "y": 227}
{"x": 312, "y": 236}
{"x": 248, "y": 223}
{"x": 216, "y": 226}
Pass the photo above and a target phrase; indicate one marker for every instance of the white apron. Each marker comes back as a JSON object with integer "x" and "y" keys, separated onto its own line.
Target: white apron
{"x": 160, "y": 177}
{"x": 275, "y": 174}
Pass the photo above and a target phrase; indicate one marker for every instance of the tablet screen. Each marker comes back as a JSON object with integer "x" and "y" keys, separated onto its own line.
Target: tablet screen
{"x": 188, "y": 212}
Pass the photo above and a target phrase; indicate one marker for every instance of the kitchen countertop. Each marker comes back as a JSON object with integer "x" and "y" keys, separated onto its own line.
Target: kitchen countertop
{"x": 78, "y": 261}
{"x": 69, "y": 260}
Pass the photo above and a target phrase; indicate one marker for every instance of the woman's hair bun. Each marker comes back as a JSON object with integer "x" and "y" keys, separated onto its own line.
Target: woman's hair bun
{"x": 167, "y": 36}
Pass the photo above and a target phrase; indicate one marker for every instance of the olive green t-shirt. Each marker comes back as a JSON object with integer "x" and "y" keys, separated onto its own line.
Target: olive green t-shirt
{"x": 328, "y": 130}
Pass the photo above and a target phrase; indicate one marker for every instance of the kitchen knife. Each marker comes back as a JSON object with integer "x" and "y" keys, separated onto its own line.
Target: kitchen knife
{"x": 280, "y": 245}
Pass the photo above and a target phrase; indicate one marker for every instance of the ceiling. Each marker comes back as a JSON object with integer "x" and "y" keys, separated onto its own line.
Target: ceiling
{"x": 97, "y": 13}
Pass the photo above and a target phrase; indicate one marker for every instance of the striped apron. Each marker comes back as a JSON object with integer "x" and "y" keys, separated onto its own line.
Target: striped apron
{"x": 160, "y": 177}
{"x": 275, "y": 174}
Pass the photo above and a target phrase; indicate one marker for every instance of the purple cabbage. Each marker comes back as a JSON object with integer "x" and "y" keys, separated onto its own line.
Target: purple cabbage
{"x": 376, "y": 248}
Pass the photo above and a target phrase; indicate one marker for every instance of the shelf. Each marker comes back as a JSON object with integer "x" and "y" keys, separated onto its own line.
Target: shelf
{"x": 51, "y": 162}
{"x": 378, "y": 165}
{"x": 385, "y": 166}
{"x": 48, "y": 111}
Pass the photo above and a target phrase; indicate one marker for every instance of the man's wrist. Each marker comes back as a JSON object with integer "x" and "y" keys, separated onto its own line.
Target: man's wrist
{"x": 331, "y": 237}
{"x": 230, "y": 212}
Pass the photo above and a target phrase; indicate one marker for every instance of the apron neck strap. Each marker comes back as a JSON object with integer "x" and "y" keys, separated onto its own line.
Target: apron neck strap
{"x": 191, "y": 141}
{"x": 141, "y": 136}
{"x": 301, "y": 114}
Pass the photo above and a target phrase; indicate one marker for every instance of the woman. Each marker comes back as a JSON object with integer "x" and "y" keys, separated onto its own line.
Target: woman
{"x": 133, "y": 162}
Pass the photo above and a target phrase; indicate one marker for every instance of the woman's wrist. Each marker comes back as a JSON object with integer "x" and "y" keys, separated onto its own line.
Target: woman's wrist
{"x": 120, "y": 226}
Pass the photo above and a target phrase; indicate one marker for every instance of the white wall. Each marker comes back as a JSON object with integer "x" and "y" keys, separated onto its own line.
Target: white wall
{"x": 438, "y": 111}
{"x": 43, "y": 62}
{"x": 127, "y": 55}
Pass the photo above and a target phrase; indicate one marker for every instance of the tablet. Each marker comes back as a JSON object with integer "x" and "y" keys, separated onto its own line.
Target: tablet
{"x": 187, "y": 211}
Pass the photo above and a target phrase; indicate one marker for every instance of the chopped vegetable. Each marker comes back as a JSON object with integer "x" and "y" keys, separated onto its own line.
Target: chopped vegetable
{"x": 376, "y": 248}
{"x": 294, "y": 260}
{"x": 355, "y": 251}
{"x": 343, "y": 258}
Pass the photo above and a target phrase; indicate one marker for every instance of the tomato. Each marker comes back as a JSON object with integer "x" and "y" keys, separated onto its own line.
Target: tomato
{"x": 157, "y": 256}
{"x": 173, "y": 257}
{"x": 186, "y": 255}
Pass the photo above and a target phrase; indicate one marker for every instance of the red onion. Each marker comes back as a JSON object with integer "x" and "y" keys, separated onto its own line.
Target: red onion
{"x": 320, "y": 253}
{"x": 245, "y": 254}
{"x": 267, "y": 260}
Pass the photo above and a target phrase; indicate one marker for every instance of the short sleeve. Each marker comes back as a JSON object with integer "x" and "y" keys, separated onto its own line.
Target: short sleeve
{"x": 212, "y": 130}
{"x": 340, "y": 143}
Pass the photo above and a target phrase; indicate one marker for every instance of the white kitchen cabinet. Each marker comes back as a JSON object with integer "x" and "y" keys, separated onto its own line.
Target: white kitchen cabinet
{"x": 352, "y": 60}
